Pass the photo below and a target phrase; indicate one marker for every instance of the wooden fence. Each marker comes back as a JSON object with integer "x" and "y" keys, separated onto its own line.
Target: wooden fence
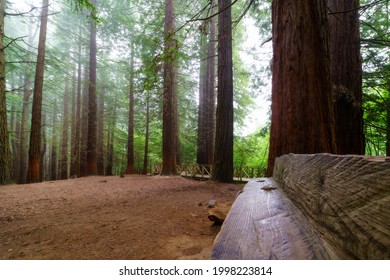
{"x": 204, "y": 171}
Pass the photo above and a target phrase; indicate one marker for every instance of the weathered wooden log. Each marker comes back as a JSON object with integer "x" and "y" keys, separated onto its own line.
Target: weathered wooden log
{"x": 264, "y": 224}
{"x": 346, "y": 199}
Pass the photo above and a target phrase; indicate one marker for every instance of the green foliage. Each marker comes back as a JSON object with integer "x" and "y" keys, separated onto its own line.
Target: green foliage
{"x": 375, "y": 37}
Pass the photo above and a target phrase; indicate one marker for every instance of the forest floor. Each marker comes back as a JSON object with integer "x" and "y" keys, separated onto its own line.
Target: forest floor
{"x": 135, "y": 217}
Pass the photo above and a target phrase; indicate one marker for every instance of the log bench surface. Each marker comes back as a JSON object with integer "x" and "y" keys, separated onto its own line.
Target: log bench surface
{"x": 264, "y": 224}
{"x": 317, "y": 207}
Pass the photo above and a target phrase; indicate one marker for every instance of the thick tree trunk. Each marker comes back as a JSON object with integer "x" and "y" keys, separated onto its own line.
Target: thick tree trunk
{"x": 223, "y": 159}
{"x": 65, "y": 134}
{"x": 146, "y": 151}
{"x": 346, "y": 75}
{"x": 92, "y": 104}
{"x": 33, "y": 173}
{"x": 302, "y": 112}
{"x": 169, "y": 116}
{"x": 130, "y": 137}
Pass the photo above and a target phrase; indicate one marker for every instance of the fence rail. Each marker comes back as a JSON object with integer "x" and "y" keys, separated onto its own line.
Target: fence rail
{"x": 204, "y": 171}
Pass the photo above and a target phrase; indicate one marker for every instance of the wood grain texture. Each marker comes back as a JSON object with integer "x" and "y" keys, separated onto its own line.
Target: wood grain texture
{"x": 346, "y": 198}
{"x": 264, "y": 224}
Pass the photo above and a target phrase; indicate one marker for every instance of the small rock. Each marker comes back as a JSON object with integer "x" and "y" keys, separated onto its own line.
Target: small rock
{"x": 211, "y": 203}
{"x": 218, "y": 213}
{"x": 200, "y": 204}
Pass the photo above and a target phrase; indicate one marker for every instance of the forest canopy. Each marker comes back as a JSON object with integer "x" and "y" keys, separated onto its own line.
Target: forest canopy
{"x": 109, "y": 58}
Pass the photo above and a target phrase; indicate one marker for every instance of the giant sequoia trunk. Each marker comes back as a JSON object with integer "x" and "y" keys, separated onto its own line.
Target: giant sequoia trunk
{"x": 223, "y": 158}
{"x": 33, "y": 173}
{"x": 92, "y": 105}
{"x": 302, "y": 116}
{"x": 346, "y": 73}
{"x": 169, "y": 97}
{"x": 5, "y": 152}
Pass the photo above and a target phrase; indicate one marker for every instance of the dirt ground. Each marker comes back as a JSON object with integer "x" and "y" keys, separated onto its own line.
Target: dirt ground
{"x": 135, "y": 217}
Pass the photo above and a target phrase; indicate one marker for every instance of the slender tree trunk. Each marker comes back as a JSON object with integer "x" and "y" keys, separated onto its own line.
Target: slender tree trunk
{"x": 210, "y": 107}
{"x": 223, "y": 159}
{"x": 23, "y": 155}
{"x": 169, "y": 116}
{"x": 75, "y": 166}
{"x": 42, "y": 169}
{"x": 33, "y": 172}
{"x": 65, "y": 134}
{"x": 100, "y": 134}
{"x": 130, "y": 136}
{"x": 5, "y": 152}
{"x": 53, "y": 157}
{"x": 201, "y": 143}
{"x": 92, "y": 104}
{"x": 110, "y": 144}
{"x": 145, "y": 169}
{"x": 346, "y": 75}
{"x": 302, "y": 112}
{"x": 388, "y": 121}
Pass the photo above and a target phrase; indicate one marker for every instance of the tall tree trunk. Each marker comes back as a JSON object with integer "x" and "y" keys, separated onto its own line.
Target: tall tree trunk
{"x": 75, "y": 164}
{"x": 302, "y": 113}
{"x": 23, "y": 155}
{"x": 130, "y": 135}
{"x": 5, "y": 152}
{"x": 65, "y": 134}
{"x": 33, "y": 172}
{"x": 100, "y": 134}
{"x": 223, "y": 159}
{"x": 210, "y": 107}
{"x": 42, "y": 169}
{"x": 169, "y": 116}
{"x": 92, "y": 104}
{"x": 53, "y": 152}
{"x": 346, "y": 75}
{"x": 84, "y": 127}
{"x": 388, "y": 121}
{"x": 110, "y": 144}
{"x": 146, "y": 152}
{"x": 201, "y": 144}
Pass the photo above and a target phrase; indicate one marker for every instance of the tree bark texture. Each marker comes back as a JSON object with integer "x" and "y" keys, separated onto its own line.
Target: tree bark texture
{"x": 130, "y": 137}
{"x": 92, "y": 104}
{"x": 169, "y": 127}
{"x": 302, "y": 110}
{"x": 346, "y": 74}
{"x": 5, "y": 152}
{"x": 33, "y": 173}
{"x": 223, "y": 158}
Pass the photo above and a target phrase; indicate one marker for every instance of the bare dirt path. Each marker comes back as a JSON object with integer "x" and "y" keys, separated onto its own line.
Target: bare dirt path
{"x": 135, "y": 217}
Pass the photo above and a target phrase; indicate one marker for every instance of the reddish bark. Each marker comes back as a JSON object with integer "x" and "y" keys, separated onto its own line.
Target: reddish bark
{"x": 223, "y": 159}
{"x": 346, "y": 74}
{"x": 33, "y": 173}
{"x": 302, "y": 111}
